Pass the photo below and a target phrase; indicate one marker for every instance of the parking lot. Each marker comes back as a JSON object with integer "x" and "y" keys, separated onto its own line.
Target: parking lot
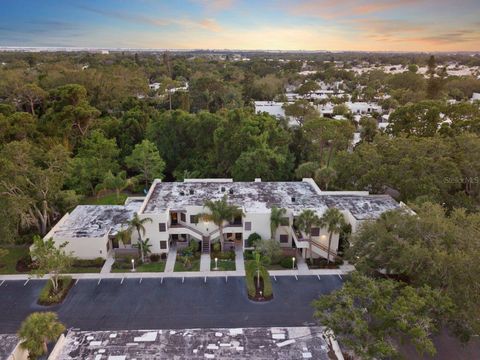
{"x": 169, "y": 303}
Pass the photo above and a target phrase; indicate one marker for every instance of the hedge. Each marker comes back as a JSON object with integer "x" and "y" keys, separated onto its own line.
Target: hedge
{"x": 98, "y": 262}
{"x": 250, "y": 273}
{"x": 46, "y": 298}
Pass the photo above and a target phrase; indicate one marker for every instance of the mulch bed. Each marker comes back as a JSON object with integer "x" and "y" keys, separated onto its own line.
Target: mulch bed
{"x": 259, "y": 292}
{"x": 57, "y": 300}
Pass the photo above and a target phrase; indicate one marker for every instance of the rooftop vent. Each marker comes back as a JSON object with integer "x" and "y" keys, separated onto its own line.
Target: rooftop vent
{"x": 230, "y": 191}
{"x": 293, "y": 199}
{"x": 222, "y": 189}
{"x": 191, "y": 191}
{"x": 182, "y": 193}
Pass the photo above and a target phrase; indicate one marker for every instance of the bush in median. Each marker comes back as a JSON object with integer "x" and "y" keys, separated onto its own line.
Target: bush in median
{"x": 47, "y": 295}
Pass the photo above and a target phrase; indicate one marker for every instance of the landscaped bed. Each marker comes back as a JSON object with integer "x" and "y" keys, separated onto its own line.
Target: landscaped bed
{"x": 225, "y": 261}
{"x": 48, "y": 297}
{"x": 322, "y": 263}
{"x": 193, "y": 264}
{"x": 263, "y": 292}
{"x": 8, "y": 263}
{"x": 283, "y": 263}
{"x": 87, "y": 266}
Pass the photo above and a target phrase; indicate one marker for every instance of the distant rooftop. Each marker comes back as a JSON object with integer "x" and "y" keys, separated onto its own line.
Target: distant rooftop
{"x": 261, "y": 196}
{"x": 98, "y": 220}
{"x": 7, "y": 345}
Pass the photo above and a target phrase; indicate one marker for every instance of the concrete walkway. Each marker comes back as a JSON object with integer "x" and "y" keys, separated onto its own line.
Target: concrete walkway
{"x": 107, "y": 266}
{"x": 172, "y": 257}
{"x": 239, "y": 261}
{"x": 205, "y": 263}
{"x": 301, "y": 264}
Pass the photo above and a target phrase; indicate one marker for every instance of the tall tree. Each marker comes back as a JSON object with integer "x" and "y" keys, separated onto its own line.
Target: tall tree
{"x": 370, "y": 317}
{"x": 220, "y": 213}
{"x": 333, "y": 220}
{"x": 146, "y": 159}
{"x": 306, "y": 221}
{"x": 276, "y": 218}
{"x": 139, "y": 225}
{"x": 51, "y": 259}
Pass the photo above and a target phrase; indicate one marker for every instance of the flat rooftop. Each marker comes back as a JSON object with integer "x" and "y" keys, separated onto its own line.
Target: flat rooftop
{"x": 247, "y": 343}
{"x": 94, "y": 221}
{"x": 262, "y": 196}
{"x": 7, "y": 345}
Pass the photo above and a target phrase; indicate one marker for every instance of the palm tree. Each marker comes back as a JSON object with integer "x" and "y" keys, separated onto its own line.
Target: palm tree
{"x": 258, "y": 266}
{"x": 334, "y": 221}
{"x": 276, "y": 217}
{"x": 305, "y": 221}
{"x": 37, "y": 330}
{"x": 220, "y": 213}
{"x": 138, "y": 224}
{"x": 144, "y": 246}
{"x": 124, "y": 235}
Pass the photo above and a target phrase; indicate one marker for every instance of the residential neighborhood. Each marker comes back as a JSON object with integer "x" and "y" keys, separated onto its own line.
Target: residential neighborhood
{"x": 239, "y": 180}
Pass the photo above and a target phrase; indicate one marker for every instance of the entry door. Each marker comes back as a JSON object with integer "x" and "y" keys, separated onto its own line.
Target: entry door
{"x": 174, "y": 218}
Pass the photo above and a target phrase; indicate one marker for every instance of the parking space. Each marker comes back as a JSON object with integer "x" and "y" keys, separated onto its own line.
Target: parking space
{"x": 173, "y": 303}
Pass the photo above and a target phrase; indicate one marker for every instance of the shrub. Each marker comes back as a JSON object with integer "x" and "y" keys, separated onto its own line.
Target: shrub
{"x": 163, "y": 256}
{"x": 271, "y": 250}
{"x": 254, "y": 237}
{"x": 216, "y": 247}
{"x": 125, "y": 263}
{"x": 286, "y": 262}
{"x": 155, "y": 257}
{"x": 248, "y": 255}
{"x": 98, "y": 262}
{"x": 226, "y": 255}
{"x": 46, "y": 296}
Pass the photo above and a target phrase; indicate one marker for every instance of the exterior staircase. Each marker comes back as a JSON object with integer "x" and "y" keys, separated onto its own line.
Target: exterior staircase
{"x": 206, "y": 244}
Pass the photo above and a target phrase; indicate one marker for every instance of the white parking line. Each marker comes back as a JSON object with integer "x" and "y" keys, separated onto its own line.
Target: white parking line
{"x": 161, "y": 280}
{"x": 183, "y": 279}
{"x": 76, "y": 282}
{"x": 26, "y": 282}
{"x": 226, "y": 278}
{"x": 2, "y": 282}
{"x": 296, "y": 277}
{"x": 99, "y": 281}
{"x": 274, "y": 278}
{"x": 318, "y": 276}
{"x": 140, "y": 281}
{"x": 121, "y": 281}
{"x": 205, "y": 279}
{"x": 340, "y": 276}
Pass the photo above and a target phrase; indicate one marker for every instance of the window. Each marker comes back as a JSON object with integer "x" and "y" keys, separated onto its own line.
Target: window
{"x": 248, "y": 225}
{"x": 163, "y": 245}
{"x": 284, "y": 238}
{"x": 162, "y": 227}
{"x": 285, "y": 221}
{"x": 193, "y": 219}
{"x": 183, "y": 217}
{"x": 315, "y": 231}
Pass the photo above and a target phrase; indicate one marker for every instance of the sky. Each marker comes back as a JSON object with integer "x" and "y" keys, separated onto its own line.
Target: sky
{"x": 335, "y": 25}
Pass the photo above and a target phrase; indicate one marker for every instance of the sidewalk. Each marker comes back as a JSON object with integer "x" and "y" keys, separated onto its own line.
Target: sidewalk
{"x": 205, "y": 263}
{"x": 107, "y": 266}
{"x": 172, "y": 257}
{"x": 239, "y": 261}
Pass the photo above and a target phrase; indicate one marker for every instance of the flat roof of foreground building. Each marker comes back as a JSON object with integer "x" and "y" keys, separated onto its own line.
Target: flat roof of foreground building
{"x": 239, "y": 343}
{"x": 94, "y": 221}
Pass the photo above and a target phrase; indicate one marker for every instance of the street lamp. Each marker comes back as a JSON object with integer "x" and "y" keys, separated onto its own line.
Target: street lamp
{"x": 133, "y": 265}
{"x": 216, "y": 263}
{"x": 293, "y": 263}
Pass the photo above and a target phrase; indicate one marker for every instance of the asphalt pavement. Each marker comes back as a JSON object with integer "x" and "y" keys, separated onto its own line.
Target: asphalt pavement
{"x": 171, "y": 303}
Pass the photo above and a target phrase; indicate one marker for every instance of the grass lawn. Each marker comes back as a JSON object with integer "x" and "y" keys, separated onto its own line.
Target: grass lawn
{"x": 152, "y": 267}
{"x": 80, "y": 269}
{"x": 149, "y": 267}
{"x": 8, "y": 263}
{"x": 179, "y": 265}
{"x": 108, "y": 199}
{"x": 223, "y": 265}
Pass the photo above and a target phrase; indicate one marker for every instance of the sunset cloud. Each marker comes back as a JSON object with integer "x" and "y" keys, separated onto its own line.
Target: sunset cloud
{"x": 371, "y": 25}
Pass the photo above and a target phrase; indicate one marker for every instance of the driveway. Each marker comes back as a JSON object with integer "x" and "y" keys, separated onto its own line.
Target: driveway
{"x": 171, "y": 304}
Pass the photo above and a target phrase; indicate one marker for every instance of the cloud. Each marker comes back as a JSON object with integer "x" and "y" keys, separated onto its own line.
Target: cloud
{"x": 204, "y": 24}
{"x": 332, "y": 9}
{"x": 216, "y": 5}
